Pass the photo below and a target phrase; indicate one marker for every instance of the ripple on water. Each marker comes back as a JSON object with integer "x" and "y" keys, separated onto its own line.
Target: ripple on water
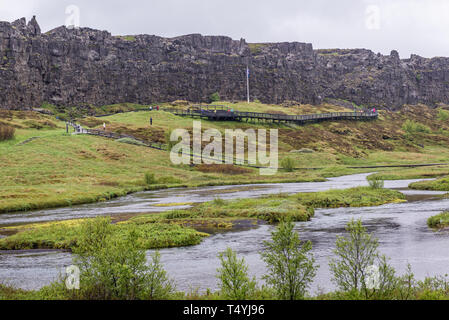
{"x": 401, "y": 228}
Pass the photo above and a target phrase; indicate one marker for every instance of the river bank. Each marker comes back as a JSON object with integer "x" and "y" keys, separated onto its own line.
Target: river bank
{"x": 400, "y": 227}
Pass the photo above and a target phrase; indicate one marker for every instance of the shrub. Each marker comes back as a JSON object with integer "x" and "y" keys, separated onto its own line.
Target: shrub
{"x": 415, "y": 127}
{"x": 150, "y": 179}
{"x": 376, "y": 183}
{"x": 291, "y": 266}
{"x": 6, "y": 132}
{"x": 115, "y": 268}
{"x": 215, "y": 97}
{"x": 159, "y": 286}
{"x": 235, "y": 283}
{"x": 355, "y": 254}
{"x": 219, "y": 202}
{"x": 288, "y": 164}
{"x": 359, "y": 269}
{"x": 443, "y": 115}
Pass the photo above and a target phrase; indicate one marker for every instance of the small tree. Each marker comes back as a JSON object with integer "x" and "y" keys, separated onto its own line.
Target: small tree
{"x": 355, "y": 254}
{"x": 159, "y": 286}
{"x": 291, "y": 266}
{"x": 235, "y": 283}
{"x": 376, "y": 183}
{"x": 360, "y": 269}
{"x": 288, "y": 164}
{"x": 112, "y": 266}
{"x": 150, "y": 178}
{"x": 215, "y": 97}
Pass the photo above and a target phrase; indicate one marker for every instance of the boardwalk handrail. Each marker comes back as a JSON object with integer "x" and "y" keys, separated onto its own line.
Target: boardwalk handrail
{"x": 154, "y": 145}
{"x": 218, "y": 112}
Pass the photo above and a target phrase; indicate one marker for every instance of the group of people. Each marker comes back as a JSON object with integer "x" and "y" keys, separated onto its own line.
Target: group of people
{"x": 373, "y": 110}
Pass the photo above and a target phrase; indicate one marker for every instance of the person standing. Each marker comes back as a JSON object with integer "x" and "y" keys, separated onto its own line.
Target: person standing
{"x": 151, "y": 121}
{"x": 104, "y": 126}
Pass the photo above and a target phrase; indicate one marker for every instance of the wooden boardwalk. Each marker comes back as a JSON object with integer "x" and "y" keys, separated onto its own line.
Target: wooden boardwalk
{"x": 164, "y": 147}
{"x": 78, "y": 129}
{"x": 221, "y": 113}
{"x": 113, "y": 135}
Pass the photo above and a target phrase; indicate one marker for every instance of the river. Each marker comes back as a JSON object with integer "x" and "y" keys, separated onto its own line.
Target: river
{"x": 401, "y": 229}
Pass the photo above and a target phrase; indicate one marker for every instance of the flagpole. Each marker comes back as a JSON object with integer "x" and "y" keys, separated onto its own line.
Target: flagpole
{"x": 247, "y": 83}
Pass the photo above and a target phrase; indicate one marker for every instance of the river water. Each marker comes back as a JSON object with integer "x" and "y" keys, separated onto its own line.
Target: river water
{"x": 401, "y": 229}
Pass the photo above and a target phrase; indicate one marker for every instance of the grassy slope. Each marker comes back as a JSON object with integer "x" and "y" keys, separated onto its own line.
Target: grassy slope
{"x": 60, "y": 170}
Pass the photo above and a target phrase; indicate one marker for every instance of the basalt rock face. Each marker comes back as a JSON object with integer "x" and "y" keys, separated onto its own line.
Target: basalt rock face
{"x": 90, "y": 67}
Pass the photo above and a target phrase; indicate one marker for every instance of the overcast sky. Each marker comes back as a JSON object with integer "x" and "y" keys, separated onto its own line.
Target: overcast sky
{"x": 409, "y": 26}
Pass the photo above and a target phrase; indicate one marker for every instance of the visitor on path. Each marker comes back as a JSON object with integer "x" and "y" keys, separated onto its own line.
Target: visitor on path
{"x": 104, "y": 126}
{"x": 157, "y": 108}
{"x": 151, "y": 108}
{"x": 374, "y": 110}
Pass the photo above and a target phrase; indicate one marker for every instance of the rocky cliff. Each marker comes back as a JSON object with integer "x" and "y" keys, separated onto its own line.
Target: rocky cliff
{"x": 84, "y": 66}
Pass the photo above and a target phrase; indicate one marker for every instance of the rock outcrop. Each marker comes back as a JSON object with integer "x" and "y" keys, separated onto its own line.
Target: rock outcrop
{"x": 79, "y": 67}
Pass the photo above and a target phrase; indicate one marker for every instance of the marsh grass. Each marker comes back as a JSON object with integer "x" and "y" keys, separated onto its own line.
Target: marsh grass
{"x": 354, "y": 197}
{"x": 433, "y": 185}
{"x": 439, "y": 221}
{"x": 64, "y": 235}
{"x": 412, "y": 173}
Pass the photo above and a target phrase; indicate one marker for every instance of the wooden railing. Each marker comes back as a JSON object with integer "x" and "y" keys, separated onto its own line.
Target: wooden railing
{"x": 116, "y": 136}
{"x": 220, "y": 113}
{"x": 154, "y": 145}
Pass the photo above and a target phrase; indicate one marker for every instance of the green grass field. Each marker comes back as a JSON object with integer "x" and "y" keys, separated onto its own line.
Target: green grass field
{"x": 57, "y": 169}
